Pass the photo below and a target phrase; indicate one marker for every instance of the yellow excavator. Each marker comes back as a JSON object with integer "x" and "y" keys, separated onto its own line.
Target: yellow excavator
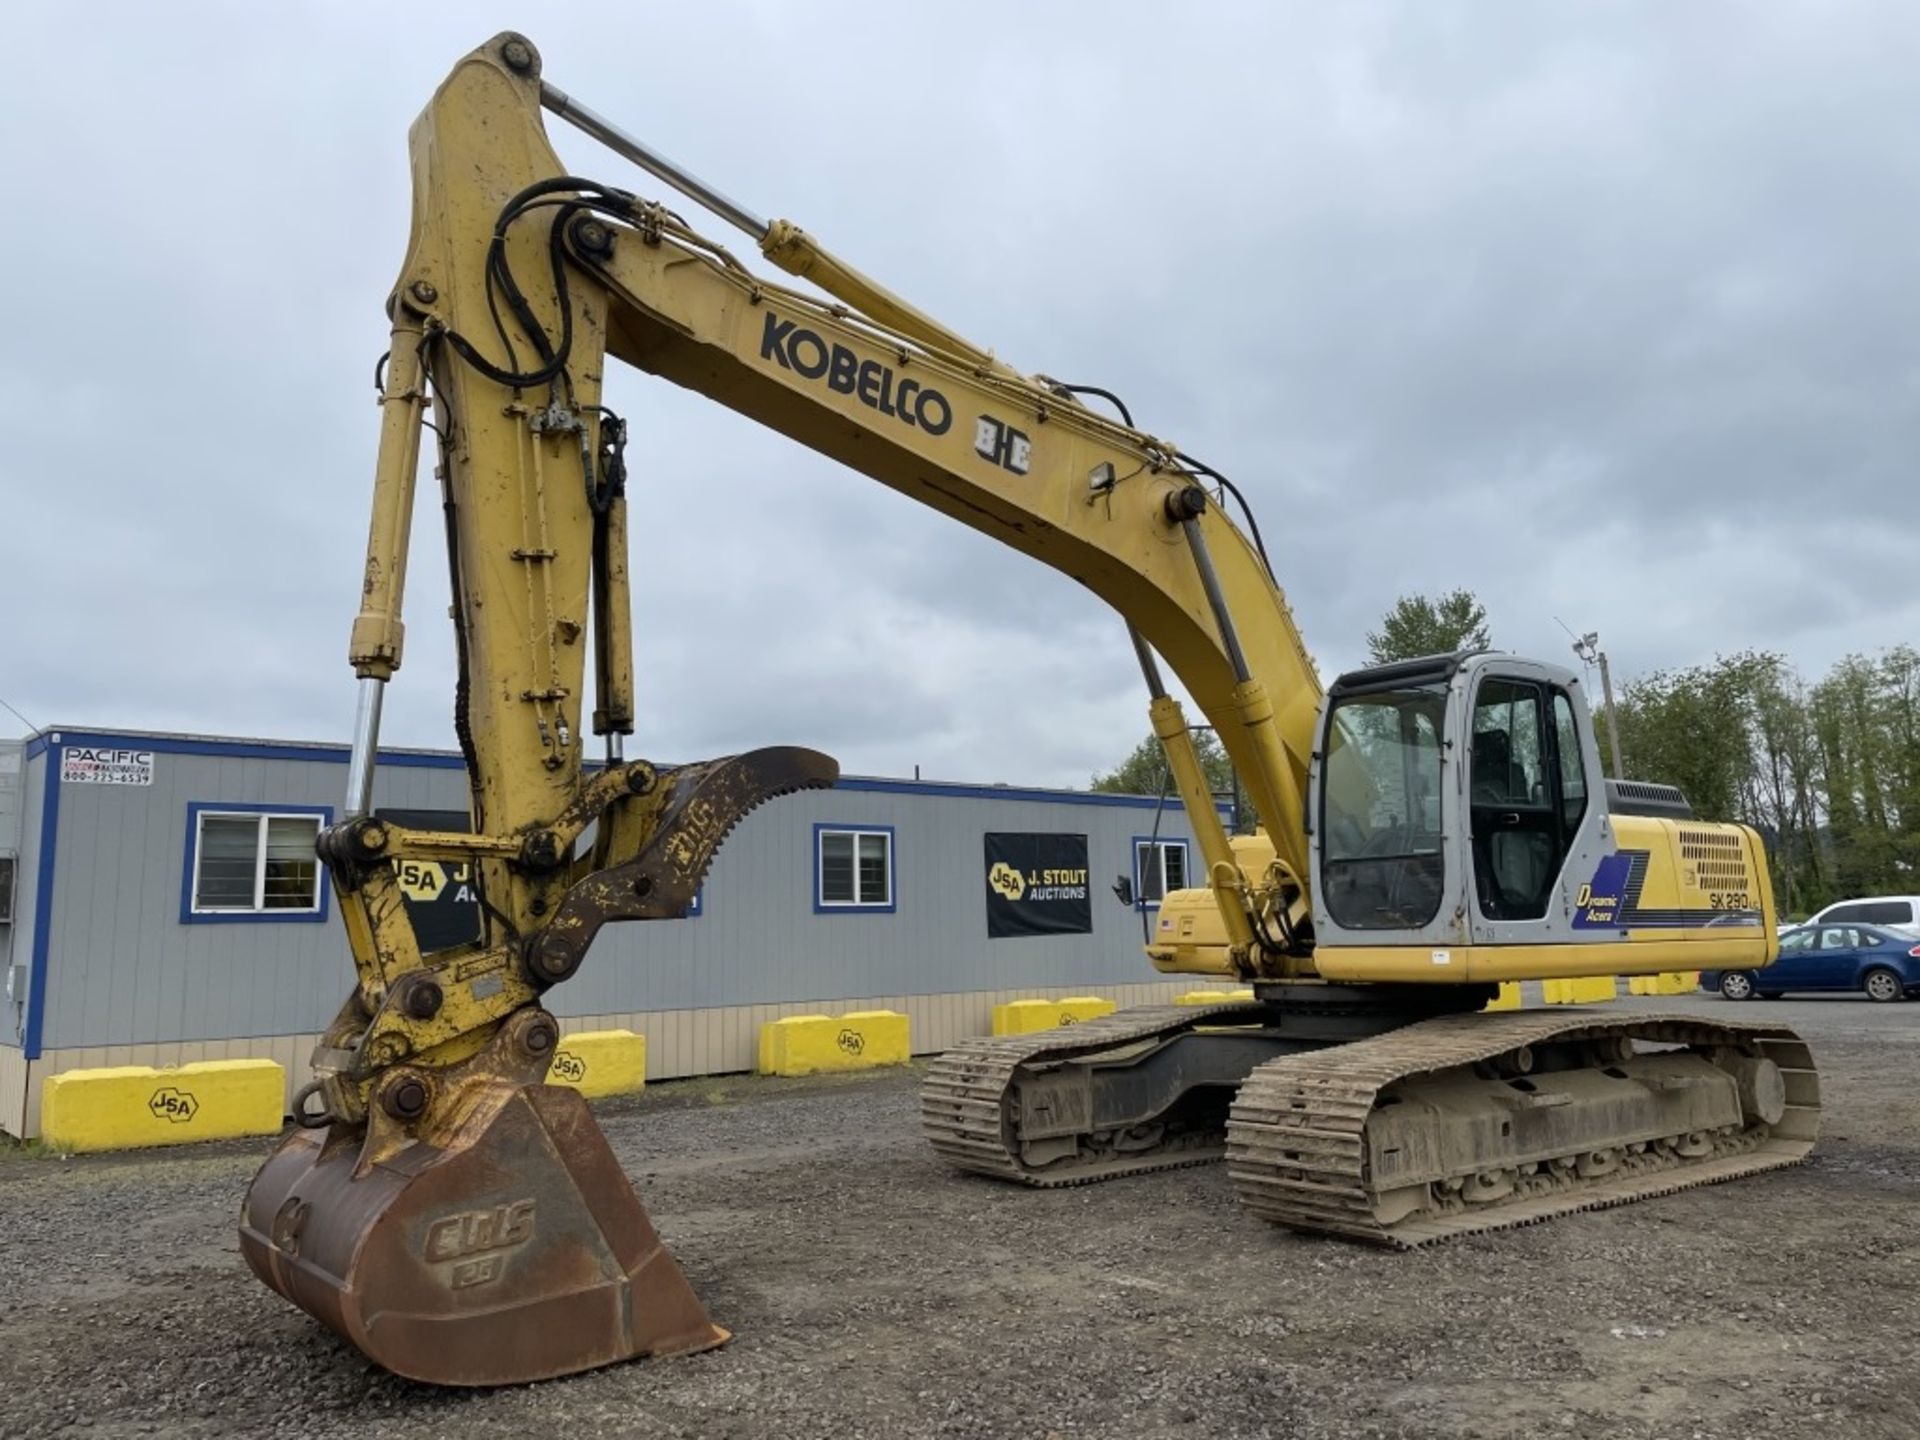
{"x": 1429, "y": 828}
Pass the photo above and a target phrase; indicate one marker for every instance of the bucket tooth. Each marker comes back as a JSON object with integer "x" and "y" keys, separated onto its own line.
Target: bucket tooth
{"x": 515, "y": 1251}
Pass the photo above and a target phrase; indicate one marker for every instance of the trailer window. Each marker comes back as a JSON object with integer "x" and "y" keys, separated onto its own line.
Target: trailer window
{"x": 1159, "y": 867}
{"x": 853, "y": 869}
{"x": 253, "y": 863}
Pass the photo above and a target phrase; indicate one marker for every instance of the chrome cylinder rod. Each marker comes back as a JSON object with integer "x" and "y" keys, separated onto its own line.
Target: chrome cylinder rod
{"x": 366, "y": 744}
{"x": 650, "y": 160}
{"x": 1149, "y": 667}
{"x": 1210, "y": 582}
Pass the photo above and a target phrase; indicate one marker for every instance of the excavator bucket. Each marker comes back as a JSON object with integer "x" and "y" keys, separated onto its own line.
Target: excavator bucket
{"x": 494, "y": 1239}
{"x": 516, "y": 1251}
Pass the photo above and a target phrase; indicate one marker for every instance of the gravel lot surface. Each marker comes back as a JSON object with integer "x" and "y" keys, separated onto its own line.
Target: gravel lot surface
{"x": 873, "y": 1294}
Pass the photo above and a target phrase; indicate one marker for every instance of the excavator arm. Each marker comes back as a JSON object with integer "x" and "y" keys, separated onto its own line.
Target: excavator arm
{"x": 518, "y": 283}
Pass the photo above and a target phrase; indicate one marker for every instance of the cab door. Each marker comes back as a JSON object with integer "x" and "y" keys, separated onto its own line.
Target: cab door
{"x": 1527, "y": 771}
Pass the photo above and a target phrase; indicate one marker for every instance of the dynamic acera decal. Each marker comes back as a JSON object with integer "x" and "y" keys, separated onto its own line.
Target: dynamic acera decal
{"x": 1611, "y": 901}
{"x": 1037, "y": 885}
{"x": 806, "y": 354}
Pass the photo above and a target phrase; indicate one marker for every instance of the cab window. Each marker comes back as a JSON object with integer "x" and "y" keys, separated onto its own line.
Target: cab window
{"x": 1380, "y": 809}
{"x": 1573, "y": 766}
{"x": 1506, "y": 744}
{"x": 1516, "y": 851}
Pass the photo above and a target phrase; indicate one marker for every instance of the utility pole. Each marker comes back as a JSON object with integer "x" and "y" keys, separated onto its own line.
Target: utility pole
{"x": 1587, "y": 647}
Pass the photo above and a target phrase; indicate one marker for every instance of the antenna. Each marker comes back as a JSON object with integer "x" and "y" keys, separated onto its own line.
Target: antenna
{"x": 1587, "y": 647}
{"x": 18, "y": 716}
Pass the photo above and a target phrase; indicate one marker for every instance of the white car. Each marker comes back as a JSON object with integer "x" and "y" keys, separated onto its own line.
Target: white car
{"x": 1871, "y": 910}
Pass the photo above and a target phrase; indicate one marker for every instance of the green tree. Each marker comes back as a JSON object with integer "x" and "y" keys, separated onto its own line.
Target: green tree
{"x": 1145, "y": 772}
{"x": 1828, "y": 774}
{"x": 1783, "y": 793}
{"x": 1862, "y": 714}
{"x": 1694, "y": 728}
{"x": 1900, "y": 703}
{"x": 1418, "y": 625}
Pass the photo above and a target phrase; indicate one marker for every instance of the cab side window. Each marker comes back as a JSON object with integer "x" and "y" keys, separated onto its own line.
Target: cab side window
{"x": 1799, "y": 940}
{"x": 1507, "y": 766}
{"x": 1527, "y": 789}
{"x": 1516, "y": 854}
{"x": 1573, "y": 768}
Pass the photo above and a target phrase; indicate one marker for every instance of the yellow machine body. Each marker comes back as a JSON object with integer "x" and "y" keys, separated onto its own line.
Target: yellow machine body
{"x": 1187, "y": 935}
{"x": 1696, "y": 875}
{"x": 1673, "y": 913}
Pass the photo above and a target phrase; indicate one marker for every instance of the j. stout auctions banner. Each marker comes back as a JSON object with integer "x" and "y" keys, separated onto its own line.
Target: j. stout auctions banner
{"x": 440, "y": 898}
{"x": 1037, "y": 885}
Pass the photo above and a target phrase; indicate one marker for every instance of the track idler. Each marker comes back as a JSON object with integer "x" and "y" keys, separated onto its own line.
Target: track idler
{"x": 509, "y": 1250}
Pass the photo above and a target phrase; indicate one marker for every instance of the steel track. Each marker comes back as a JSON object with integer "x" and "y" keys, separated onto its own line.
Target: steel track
{"x": 1297, "y": 1154}
{"x": 1295, "y": 1142}
{"x": 969, "y": 1112}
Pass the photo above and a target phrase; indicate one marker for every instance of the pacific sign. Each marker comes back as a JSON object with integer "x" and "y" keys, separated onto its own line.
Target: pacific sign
{"x": 97, "y": 765}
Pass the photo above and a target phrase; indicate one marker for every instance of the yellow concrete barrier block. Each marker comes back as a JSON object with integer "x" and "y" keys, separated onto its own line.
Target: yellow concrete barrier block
{"x": 1023, "y": 1017}
{"x": 600, "y": 1062}
{"x": 817, "y": 1044}
{"x": 1213, "y": 997}
{"x": 787, "y": 1037}
{"x": 1668, "y": 982}
{"x": 1582, "y": 990}
{"x": 129, "y": 1107}
{"x": 1507, "y": 999}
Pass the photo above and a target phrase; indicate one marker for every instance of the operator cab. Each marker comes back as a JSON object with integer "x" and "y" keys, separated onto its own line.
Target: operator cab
{"x": 1449, "y": 793}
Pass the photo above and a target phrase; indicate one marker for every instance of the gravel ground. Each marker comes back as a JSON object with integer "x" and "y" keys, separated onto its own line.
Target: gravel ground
{"x": 875, "y": 1295}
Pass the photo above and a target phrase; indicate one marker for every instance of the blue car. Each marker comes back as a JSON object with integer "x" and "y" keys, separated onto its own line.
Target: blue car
{"x": 1882, "y": 960}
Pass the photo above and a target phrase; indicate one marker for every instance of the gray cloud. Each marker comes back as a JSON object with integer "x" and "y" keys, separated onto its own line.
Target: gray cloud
{"x": 1603, "y": 312}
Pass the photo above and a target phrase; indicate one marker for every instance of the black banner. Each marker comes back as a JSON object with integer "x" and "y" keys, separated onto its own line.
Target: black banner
{"x": 440, "y": 901}
{"x": 1037, "y": 885}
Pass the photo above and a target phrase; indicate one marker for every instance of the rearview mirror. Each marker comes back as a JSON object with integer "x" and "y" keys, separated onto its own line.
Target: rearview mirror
{"x": 1123, "y": 888}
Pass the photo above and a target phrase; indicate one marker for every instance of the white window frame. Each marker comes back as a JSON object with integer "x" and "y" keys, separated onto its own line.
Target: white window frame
{"x": 259, "y": 907}
{"x": 857, "y": 832}
{"x": 1159, "y": 850}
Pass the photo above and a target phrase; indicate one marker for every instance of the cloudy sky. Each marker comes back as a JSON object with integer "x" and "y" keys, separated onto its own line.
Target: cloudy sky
{"x": 1607, "y": 311}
